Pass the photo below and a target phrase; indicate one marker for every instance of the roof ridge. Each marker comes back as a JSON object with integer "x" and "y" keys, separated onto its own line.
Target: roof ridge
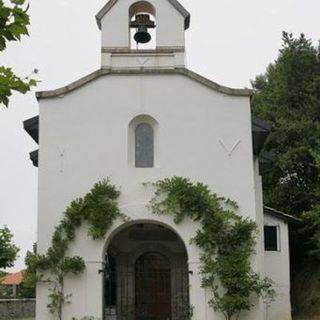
{"x": 107, "y": 71}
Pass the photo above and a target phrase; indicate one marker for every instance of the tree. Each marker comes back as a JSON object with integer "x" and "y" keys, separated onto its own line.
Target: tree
{"x": 14, "y": 22}
{"x": 288, "y": 97}
{"x": 8, "y": 251}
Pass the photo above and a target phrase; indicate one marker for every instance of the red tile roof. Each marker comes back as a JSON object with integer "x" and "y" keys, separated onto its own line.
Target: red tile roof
{"x": 12, "y": 279}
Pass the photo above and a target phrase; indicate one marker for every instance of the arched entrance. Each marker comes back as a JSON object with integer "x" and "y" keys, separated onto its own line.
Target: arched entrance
{"x": 146, "y": 276}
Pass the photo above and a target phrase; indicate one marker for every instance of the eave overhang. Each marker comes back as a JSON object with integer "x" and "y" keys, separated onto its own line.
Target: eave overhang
{"x": 146, "y": 71}
{"x": 32, "y": 127}
{"x": 34, "y": 156}
{"x": 260, "y": 132}
{"x": 281, "y": 215}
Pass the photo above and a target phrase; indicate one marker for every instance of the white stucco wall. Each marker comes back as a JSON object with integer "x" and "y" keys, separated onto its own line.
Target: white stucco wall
{"x": 274, "y": 265}
{"x": 146, "y": 60}
{"x": 169, "y": 21}
{"x": 277, "y": 267}
{"x": 259, "y": 259}
{"x": 84, "y": 138}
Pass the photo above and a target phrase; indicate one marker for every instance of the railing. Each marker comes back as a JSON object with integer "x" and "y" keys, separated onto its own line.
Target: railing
{"x": 147, "y": 295}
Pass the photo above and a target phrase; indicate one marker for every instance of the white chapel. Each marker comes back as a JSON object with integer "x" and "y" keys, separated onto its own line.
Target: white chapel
{"x": 144, "y": 116}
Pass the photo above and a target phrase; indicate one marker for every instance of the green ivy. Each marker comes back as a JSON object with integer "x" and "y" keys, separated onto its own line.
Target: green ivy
{"x": 98, "y": 209}
{"x": 227, "y": 242}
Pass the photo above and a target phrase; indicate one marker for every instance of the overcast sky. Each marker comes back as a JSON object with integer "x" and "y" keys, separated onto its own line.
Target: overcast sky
{"x": 229, "y": 41}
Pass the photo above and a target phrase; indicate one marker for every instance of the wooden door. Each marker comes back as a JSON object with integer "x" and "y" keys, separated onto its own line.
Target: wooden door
{"x": 152, "y": 287}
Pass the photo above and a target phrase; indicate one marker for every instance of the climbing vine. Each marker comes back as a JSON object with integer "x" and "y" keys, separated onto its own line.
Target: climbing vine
{"x": 227, "y": 242}
{"x": 99, "y": 209}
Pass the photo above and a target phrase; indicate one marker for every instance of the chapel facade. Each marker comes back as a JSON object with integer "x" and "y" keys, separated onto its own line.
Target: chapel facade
{"x": 143, "y": 116}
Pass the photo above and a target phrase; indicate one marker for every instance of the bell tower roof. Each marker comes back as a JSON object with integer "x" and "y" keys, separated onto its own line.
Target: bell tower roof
{"x": 175, "y": 3}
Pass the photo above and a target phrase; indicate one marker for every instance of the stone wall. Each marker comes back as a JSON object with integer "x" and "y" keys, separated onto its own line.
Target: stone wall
{"x": 17, "y": 308}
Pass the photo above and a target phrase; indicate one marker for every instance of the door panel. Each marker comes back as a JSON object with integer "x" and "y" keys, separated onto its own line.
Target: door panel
{"x": 152, "y": 287}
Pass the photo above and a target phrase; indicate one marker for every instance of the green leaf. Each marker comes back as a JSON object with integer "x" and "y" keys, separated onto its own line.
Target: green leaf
{"x": 32, "y": 83}
{"x": 8, "y": 250}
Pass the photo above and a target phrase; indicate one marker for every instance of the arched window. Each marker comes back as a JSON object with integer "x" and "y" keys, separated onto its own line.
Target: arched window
{"x": 144, "y": 146}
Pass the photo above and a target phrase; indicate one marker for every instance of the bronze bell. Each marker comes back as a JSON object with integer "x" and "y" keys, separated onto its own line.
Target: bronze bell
{"x": 142, "y": 35}
{"x": 142, "y": 23}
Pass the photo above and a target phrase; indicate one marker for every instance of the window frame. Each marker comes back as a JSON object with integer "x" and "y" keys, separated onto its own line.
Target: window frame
{"x": 144, "y": 158}
{"x": 142, "y": 118}
{"x": 278, "y": 239}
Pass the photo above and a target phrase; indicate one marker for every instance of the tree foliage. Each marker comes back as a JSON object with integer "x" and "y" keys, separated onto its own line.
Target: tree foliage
{"x": 288, "y": 97}
{"x": 99, "y": 209}
{"x": 311, "y": 231}
{"x": 14, "y": 22}
{"x": 8, "y": 250}
{"x": 227, "y": 242}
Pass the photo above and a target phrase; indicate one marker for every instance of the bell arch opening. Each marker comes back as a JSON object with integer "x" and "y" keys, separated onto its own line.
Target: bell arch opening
{"x": 146, "y": 274}
{"x": 142, "y": 25}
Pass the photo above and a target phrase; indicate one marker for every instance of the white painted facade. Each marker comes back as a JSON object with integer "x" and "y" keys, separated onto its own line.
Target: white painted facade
{"x": 277, "y": 264}
{"x": 87, "y": 134}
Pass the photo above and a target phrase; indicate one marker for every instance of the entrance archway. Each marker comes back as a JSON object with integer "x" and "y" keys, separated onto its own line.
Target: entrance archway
{"x": 146, "y": 276}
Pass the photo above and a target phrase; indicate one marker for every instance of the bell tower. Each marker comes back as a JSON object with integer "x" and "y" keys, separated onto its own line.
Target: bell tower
{"x": 143, "y": 34}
